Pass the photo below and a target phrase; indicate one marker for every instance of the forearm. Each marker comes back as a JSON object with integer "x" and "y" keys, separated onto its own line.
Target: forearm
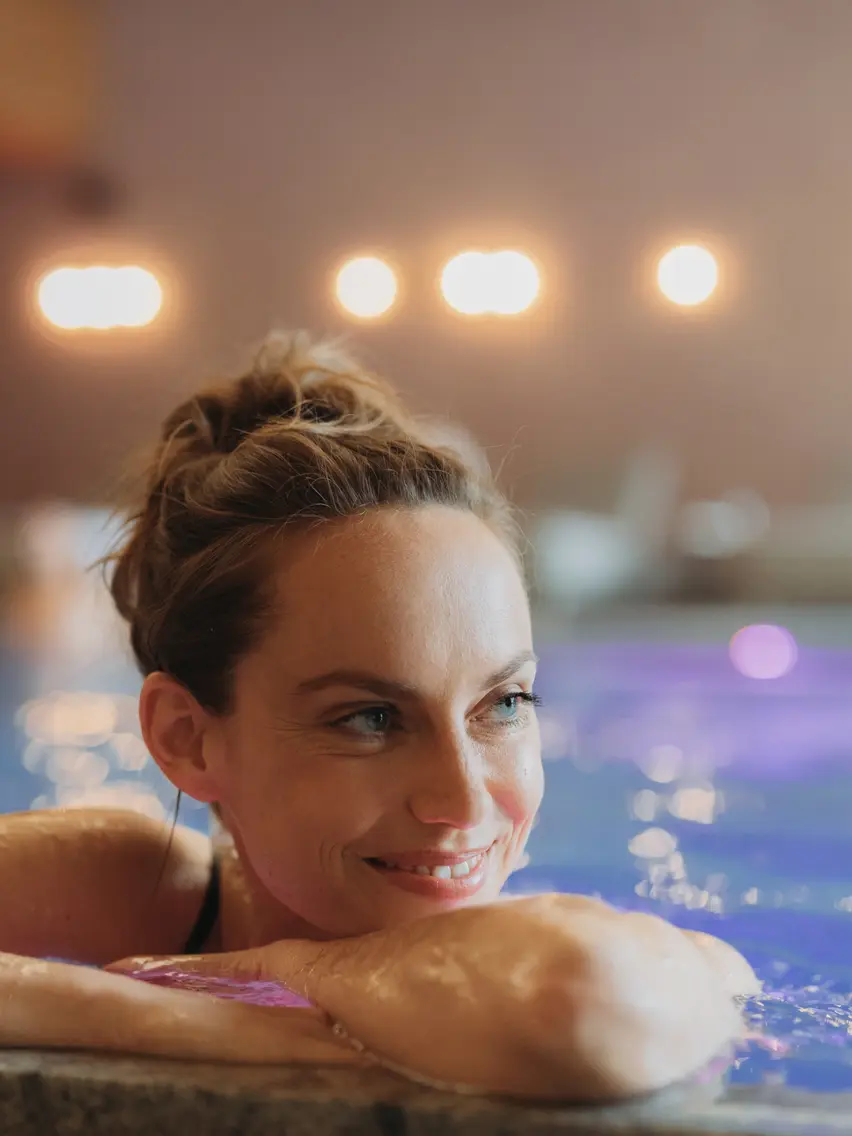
{"x": 739, "y": 979}
{"x": 585, "y": 1004}
{"x": 654, "y": 1008}
{"x": 552, "y": 996}
{"x": 60, "y": 1006}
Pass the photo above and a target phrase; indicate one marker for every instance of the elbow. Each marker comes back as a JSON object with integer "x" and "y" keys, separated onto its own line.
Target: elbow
{"x": 629, "y": 1022}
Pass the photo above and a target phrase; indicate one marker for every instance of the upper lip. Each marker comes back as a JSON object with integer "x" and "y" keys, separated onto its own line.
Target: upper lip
{"x": 430, "y": 857}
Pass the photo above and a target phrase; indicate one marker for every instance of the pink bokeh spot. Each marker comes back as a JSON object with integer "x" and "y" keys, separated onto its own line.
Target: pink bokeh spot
{"x": 763, "y": 651}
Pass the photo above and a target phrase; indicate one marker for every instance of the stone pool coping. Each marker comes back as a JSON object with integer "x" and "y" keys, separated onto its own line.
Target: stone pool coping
{"x": 65, "y": 1093}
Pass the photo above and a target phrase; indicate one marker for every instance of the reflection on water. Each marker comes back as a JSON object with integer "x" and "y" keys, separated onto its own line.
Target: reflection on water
{"x": 722, "y": 803}
{"x": 675, "y": 784}
{"x": 803, "y": 1037}
{"x": 80, "y": 745}
{"x": 255, "y": 993}
{"x": 71, "y": 738}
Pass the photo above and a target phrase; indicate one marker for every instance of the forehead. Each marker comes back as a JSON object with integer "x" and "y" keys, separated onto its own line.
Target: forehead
{"x": 397, "y": 591}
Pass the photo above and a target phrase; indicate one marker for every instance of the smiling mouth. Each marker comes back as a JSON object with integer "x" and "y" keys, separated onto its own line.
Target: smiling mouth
{"x": 446, "y": 882}
{"x": 458, "y": 871}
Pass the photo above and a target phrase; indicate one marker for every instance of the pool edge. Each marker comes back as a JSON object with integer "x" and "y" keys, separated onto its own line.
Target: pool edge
{"x": 43, "y": 1092}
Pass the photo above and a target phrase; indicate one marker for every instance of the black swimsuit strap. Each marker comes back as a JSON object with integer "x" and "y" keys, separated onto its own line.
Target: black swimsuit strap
{"x": 208, "y": 914}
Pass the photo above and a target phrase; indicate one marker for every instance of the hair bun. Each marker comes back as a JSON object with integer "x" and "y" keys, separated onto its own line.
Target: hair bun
{"x": 306, "y": 435}
{"x": 291, "y": 377}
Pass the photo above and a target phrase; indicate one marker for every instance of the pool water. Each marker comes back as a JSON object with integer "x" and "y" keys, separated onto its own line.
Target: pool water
{"x": 678, "y": 786}
{"x": 675, "y": 785}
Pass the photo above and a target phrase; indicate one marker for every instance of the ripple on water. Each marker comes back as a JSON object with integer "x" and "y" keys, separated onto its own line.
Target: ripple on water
{"x": 801, "y": 1036}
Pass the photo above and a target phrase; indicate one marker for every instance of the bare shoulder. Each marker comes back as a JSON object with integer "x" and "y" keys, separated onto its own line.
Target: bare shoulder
{"x": 98, "y": 884}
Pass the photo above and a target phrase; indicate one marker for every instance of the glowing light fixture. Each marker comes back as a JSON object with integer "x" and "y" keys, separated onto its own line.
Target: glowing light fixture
{"x": 763, "y": 651}
{"x": 688, "y": 275}
{"x": 464, "y": 283}
{"x": 366, "y": 287}
{"x": 100, "y": 297}
{"x": 503, "y": 283}
{"x": 515, "y": 282}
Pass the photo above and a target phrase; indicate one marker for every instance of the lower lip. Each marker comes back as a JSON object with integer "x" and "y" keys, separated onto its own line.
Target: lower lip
{"x": 433, "y": 888}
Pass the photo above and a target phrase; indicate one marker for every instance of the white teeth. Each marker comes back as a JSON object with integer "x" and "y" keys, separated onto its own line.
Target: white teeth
{"x": 440, "y": 871}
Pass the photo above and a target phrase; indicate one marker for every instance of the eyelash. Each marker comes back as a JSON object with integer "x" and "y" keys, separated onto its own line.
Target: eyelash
{"x": 524, "y": 696}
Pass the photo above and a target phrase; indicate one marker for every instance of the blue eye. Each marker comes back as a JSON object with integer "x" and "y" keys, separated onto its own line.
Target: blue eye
{"x": 507, "y": 708}
{"x": 374, "y": 720}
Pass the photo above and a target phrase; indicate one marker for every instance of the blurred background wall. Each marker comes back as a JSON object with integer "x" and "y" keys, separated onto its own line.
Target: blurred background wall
{"x": 242, "y": 151}
{"x": 662, "y": 451}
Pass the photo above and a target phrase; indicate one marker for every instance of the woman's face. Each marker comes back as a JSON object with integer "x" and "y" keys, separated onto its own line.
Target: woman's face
{"x": 382, "y": 761}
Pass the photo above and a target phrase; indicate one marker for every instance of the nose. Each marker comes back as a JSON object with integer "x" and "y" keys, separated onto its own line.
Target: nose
{"x": 452, "y": 788}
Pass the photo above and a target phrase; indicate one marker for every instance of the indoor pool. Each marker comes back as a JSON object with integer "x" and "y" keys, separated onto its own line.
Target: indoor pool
{"x": 675, "y": 784}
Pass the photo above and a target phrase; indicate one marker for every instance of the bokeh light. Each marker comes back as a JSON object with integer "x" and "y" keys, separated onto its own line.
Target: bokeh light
{"x": 644, "y": 805}
{"x": 662, "y": 763}
{"x": 763, "y": 651}
{"x": 69, "y": 718}
{"x": 464, "y": 283}
{"x": 100, "y": 297}
{"x": 700, "y": 804}
{"x": 514, "y": 282}
{"x": 688, "y": 275}
{"x": 76, "y": 768}
{"x": 653, "y": 843}
{"x": 503, "y": 283}
{"x": 366, "y": 287}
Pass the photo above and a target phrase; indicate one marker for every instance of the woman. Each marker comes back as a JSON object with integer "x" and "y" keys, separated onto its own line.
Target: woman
{"x": 327, "y": 604}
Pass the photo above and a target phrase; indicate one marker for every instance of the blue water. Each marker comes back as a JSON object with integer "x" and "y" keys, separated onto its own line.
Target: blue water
{"x": 674, "y": 785}
{"x": 753, "y": 832}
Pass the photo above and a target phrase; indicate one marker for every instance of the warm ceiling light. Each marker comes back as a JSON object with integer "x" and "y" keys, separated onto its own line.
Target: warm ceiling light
{"x": 366, "y": 287}
{"x": 100, "y": 297}
{"x": 514, "y": 282}
{"x": 688, "y": 275}
{"x": 490, "y": 283}
{"x": 464, "y": 283}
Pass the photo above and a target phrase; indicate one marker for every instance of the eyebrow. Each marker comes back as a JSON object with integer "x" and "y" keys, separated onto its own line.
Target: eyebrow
{"x": 387, "y": 688}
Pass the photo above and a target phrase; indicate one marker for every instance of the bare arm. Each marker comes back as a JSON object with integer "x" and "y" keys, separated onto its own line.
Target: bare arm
{"x": 550, "y": 997}
{"x": 60, "y": 1006}
{"x": 737, "y": 976}
{"x": 557, "y": 996}
{"x": 93, "y": 884}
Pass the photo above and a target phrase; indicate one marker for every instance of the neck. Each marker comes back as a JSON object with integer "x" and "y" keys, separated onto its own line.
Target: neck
{"x": 248, "y": 915}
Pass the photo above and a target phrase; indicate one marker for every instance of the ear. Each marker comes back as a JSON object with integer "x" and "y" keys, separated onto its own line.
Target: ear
{"x": 183, "y": 738}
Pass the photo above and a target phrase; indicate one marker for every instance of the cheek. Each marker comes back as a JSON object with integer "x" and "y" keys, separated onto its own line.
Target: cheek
{"x": 519, "y": 791}
{"x": 290, "y": 795}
